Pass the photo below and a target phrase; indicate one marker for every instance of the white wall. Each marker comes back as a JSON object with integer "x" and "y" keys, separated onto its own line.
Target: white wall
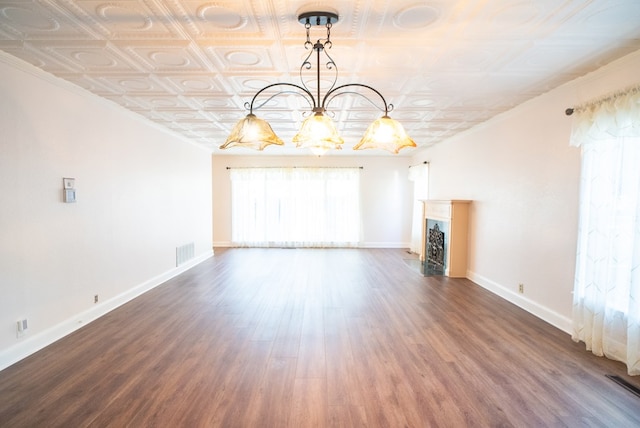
{"x": 141, "y": 193}
{"x": 523, "y": 177}
{"x": 385, "y": 188}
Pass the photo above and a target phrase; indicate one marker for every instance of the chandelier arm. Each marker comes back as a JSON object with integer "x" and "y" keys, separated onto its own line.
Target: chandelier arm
{"x": 334, "y": 93}
{"x": 259, "y": 106}
{"x": 312, "y": 100}
{"x": 360, "y": 94}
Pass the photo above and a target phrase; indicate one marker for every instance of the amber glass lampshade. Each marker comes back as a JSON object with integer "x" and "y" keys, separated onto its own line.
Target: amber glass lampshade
{"x": 318, "y": 133}
{"x": 387, "y": 134}
{"x": 253, "y": 133}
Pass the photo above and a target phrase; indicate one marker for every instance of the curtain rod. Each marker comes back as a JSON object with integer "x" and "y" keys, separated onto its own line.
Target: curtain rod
{"x": 294, "y": 167}
{"x": 423, "y": 163}
{"x": 606, "y": 98}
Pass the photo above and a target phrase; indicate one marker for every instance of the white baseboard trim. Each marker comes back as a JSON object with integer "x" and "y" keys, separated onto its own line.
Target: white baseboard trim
{"x": 555, "y": 319}
{"x": 32, "y": 344}
{"x": 385, "y": 245}
{"x": 220, "y": 244}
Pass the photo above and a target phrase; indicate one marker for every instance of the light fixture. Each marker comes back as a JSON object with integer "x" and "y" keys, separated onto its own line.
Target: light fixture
{"x": 318, "y": 132}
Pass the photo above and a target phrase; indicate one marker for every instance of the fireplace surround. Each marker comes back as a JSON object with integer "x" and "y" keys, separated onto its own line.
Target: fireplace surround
{"x": 444, "y": 237}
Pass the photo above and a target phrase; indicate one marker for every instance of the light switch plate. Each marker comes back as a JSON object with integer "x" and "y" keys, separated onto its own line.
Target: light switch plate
{"x": 68, "y": 183}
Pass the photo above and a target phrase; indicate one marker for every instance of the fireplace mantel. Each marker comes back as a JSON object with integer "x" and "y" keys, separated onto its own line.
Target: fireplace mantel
{"x": 455, "y": 214}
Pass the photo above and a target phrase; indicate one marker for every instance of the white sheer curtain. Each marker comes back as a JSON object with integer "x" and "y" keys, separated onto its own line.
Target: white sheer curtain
{"x": 295, "y": 207}
{"x": 606, "y": 302}
{"x": 419, "y": 175}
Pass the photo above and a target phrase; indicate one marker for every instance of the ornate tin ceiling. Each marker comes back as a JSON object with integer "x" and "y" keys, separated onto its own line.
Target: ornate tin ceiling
{"x": 445, "y": 65}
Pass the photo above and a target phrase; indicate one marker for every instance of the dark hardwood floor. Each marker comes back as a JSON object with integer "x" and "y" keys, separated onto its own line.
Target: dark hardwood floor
{"x": 315, "y": 338}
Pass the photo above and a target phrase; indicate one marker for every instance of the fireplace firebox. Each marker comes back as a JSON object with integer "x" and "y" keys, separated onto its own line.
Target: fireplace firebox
{"x": 435, "y": 262}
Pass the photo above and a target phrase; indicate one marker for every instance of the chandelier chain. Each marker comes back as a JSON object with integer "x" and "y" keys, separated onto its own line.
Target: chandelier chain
{"x": 307, "y": 26}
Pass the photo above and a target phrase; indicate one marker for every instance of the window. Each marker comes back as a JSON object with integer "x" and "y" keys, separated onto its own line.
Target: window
{"x": 300, "y": 207}
{"x": 606, "y": 309}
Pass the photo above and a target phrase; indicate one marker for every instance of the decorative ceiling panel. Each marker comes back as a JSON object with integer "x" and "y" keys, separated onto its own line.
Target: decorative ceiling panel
{"x": 446, "y": 65}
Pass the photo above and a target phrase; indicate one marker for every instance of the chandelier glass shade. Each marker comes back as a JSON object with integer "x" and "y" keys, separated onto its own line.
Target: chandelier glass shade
{"x": 385, "y": 133}
{"x": 318, "y": 131}
{"x": 252, "y": 132}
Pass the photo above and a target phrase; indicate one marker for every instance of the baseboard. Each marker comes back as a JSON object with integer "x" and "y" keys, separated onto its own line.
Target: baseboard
{"x": 385, "y": 245}
{"x": 32, "y": 344}
{"x": 226, "y": 244}
{"x": 555, "y": 319}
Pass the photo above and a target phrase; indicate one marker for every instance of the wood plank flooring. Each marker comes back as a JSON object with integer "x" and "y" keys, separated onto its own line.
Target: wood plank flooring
{"x": 315, "y": 338}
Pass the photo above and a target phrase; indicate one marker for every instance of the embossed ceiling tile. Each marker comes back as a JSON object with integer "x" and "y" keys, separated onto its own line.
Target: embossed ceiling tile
{"x": 205, "y": 133}
{"x": 193, "y": 84}
{"x": 411, "y": 16}
{"x": 412, "y": 116}
{"x": 453, "y": 115}
{"x": 281, "y": 122}
{"x": 423, "y": 85}
{"x": 516, "y": 19}
{"x": 477, "y": 56}
{"x": 450, "y": 85}
{"x": 134, "y": 84}
{"x": 512, "y": 20}
{"x": 90, "y": 83}
{"x": 161, "y": 102}
{"x": 250, "y": 87}
{"x": 175, "y": 126}
{"x": 213, "y": 19}
{"x": 91, "y": 56}
{"x": 22, "y": 18}
{"x": 130, "y": 103}
{"x": 217, "y": 103}
{"x": 33, "y": 56}
{"x": 477, "y": 102}
{"x": 183, "y": 116}
{"x": 254, "y": 55}
{"x": 212, "y": 128}
{"x": 152, "y": 115}
{"x": 32, "y": 20}
{"x": 124, "y": 19}
{"x": 399, "y": 59}
{"x": 226, "y": 119}
{"x": 166, "y": 56}
{"x": 423, "y": 101}
{"x": 245, "y": 85}
{"x": 363, "y": 116}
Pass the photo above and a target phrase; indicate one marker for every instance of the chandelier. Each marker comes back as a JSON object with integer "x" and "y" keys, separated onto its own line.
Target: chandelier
{"x": 318, "y": 131}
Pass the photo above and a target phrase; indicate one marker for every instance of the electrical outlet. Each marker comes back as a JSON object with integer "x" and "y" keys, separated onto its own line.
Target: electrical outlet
{"x": 521, "y": 288}
{"x": 95, "y": 299}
